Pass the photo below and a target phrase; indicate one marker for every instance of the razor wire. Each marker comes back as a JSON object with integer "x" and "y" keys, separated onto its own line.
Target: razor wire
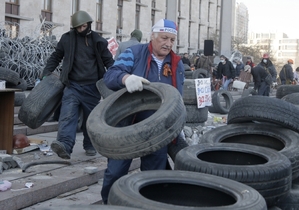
{"x": 25, "y": 50}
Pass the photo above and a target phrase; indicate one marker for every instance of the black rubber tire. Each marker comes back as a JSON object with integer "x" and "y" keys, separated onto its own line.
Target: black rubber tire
{"x": 189, "y": 92}
{"x": 187, "y": 67}
{"x": 177, "y": 190}
{"x": 290, "y": 201}
{"x": 103, "y": 89}
{"x": 283, "y": 90}
{"x": 292, "y": 98}
{"x": 275, "y": 137}
{"x": 188, "y": 74}
{"x": 19, "y": 98}
{"x": 264, "y": 109}
{"x": 264, "y": 169}
{"x": 228, "y": 98}
{"x": 196, "y": 115}
{"x": 142, "y": 138}
{"x": 174, "y": 148}
{"x": 200, "y": 73}
{"x": 41, "y": 102}
{"x": 9, "y": 76}
{"x": 87, "y": 207}
{"x": 212, "y": 109}
{"x": 22, "y": 85}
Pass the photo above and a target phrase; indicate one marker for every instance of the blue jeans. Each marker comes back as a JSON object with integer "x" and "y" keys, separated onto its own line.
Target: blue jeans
{"x": 118, "y": 168}
{"x": 264, "y": 89}
{"x": 74, "y": 97}
{"x": 226, "y": 83}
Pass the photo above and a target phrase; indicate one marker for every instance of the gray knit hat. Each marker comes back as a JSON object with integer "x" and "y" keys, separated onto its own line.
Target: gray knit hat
{"x": 137, "y": 34}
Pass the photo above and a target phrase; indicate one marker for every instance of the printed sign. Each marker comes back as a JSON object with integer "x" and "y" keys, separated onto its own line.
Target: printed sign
{"x": 112, "y": 46}
{"x": 203, "y": 92}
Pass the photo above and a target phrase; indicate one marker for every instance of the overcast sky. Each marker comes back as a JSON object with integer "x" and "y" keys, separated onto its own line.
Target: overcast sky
{"x": 274, "y": 15}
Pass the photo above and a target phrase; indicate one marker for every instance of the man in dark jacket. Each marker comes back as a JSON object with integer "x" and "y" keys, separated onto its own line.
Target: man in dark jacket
{"x": 85, "y": 56}
{"x": 225, "y": 71}
{"x": 186, "y": 60}
{"x": 286, "y": 74}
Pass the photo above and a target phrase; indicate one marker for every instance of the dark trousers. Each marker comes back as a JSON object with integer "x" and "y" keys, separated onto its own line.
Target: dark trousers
{"x": 118, "y": 168}
{"x": 264, "y": 89}
{"x": 74, "y": 97}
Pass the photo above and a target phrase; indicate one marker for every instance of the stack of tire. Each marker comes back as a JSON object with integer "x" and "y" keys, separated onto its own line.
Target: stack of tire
{"x": 194, "y": 115}
{"x": 12, "y": 80}
{"x": 258, "y": 147}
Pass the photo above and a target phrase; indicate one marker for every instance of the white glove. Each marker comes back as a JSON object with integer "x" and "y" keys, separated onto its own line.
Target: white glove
{"x": 134, "y": 83}
{"x": 274, "y": 83}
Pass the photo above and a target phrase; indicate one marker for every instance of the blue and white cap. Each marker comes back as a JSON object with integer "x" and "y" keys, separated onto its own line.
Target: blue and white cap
{"x": 165, "y": 25}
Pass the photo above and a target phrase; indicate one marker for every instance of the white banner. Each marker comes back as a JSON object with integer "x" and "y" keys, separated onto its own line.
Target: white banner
{"x": 203, "y": 92}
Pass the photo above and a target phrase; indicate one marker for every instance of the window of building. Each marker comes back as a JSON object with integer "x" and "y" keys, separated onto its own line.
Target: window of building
{"x": 47, "y": 10}
{"x": 99, "y": 20}
{"x": 12, "y": 24}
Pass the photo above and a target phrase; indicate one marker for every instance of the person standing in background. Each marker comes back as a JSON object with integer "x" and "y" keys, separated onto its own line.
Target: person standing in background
{"x": 186, "y": 60}
{"x": 136, "y": 37}
{"x": 286, "y": 74}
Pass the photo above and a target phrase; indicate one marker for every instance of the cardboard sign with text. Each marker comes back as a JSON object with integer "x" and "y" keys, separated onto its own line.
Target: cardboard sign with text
{"x": 203, "y": 92}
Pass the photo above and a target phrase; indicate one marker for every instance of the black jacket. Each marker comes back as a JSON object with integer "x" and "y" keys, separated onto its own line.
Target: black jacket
{"x": 258, "y": 74}
{"x": 65, "y": 50}
{"x": 271, "y": 68}
{"x": 226, "y": 69}
{"x": 286, "y": 73}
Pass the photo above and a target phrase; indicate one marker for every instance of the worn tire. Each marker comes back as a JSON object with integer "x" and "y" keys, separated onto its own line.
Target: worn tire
{"x": 200, "y": 73}
{"x": 19, "y": 98}
{"x": 103, "y": 89}
{"x": 142, "y": 138}
{"x": 283, "y": 90}
{"x": 22, "y": 85}
{"x": 264, "y": 169}
{"x": 289, "y": 201}
{"x": 41, "y": 102}
{"x": 283, "y": 140}
{"x": 189, "y": 92}
{"x": 292, "y": 98}
{"x": 196, "y": 115}
{"x": 9, "y": 76}
{"x": 188, "y": 74}
{"x": 264, "y": 109}
{"x": 177, "y": 190}
{"x": 174, "y": 148}
{"x": 218, "y": 107}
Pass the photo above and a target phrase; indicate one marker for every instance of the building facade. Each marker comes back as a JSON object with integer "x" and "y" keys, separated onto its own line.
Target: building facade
{"x": 241, "y": 22}
{"x": 198, "y": 20}
{"x": 281, "y": 47}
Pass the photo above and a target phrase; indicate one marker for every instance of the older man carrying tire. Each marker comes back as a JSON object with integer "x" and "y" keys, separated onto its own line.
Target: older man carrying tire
{"x": 141, "y": 64}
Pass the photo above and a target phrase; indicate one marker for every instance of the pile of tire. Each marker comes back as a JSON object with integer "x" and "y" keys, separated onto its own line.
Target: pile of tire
{"x": 194, "y": 115}
{"x": 12, "y": 80}
{"x": 257, "y": 147}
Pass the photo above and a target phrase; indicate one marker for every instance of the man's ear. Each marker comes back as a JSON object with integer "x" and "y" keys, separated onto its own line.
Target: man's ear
{"x": 152, "y": 36}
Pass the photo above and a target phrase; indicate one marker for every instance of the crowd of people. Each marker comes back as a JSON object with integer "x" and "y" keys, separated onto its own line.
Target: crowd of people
{"x": 264, "y": 75}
